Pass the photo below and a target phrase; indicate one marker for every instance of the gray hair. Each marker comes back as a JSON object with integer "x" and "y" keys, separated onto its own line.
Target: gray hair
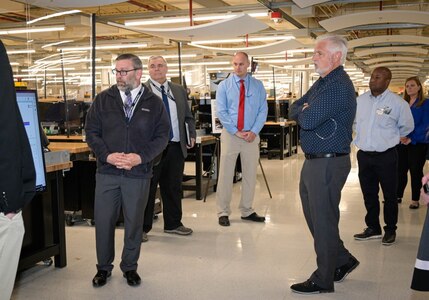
{"x": 156, "y": 57}
{"x": 337, "y": 43}
{"x": 137, "y": 63}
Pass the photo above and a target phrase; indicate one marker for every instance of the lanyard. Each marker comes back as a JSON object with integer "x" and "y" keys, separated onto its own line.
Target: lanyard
{"x": 167, "y": 92}
{"x": 130, "y": 112}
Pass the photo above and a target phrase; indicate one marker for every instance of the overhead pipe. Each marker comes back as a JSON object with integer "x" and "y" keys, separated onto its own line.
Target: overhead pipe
{"x": 191, "y": 22}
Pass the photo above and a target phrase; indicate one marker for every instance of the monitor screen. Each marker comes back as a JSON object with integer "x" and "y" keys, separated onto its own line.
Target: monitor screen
{"x": 27, "y": 103}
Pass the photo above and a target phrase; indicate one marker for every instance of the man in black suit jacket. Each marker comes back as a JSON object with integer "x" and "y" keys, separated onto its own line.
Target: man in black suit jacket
{"x": 169, "y": 171}
{"x": 17, "y": 177}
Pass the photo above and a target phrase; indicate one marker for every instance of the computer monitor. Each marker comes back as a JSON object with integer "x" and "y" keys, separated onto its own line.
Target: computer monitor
{"x": 55, "y": 112}
{"x": 27, "y": 103}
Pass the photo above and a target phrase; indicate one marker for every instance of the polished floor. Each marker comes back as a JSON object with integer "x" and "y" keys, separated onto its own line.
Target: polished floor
{"x": 244, "y": 261}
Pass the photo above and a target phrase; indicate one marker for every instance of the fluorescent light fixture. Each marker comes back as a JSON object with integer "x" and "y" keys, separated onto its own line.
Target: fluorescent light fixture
{"x": 32, "y": 75}
{"x": 14, "y": 64}
{"x": 219, "y": 69}
{"x": 175, "y": 20}
{"x": 211, "y": 63}
{"x": 83, "y": 74}
{"x": 67, "y": 61}
{"x": 20, "y": 51}
{"x": 101, "y": 47}
{"x": 243, "y": 39}
{"x": 54, "y": 15}
{"x": 170, "y": 56}
{"x": 31, "y": 30}
{"x": 47, "y": 69}
{"x": 57, "y": 43}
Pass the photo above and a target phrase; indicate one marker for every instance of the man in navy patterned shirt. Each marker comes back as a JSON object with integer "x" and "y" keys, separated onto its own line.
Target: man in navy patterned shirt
{"x": 325, "y": 114}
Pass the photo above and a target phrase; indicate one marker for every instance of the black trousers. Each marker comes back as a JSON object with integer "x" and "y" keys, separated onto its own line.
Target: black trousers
{"x": 411, "y": 158}
{"x": 320, "y": 186}
{"x": 169, "y": 175}
{"x": 379, "y": 169}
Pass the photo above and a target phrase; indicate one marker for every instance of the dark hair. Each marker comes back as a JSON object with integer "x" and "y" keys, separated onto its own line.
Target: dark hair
{"x": 137, "y": 63}
{"x": 420, "y": 97}
{"x": 384, "y": 70}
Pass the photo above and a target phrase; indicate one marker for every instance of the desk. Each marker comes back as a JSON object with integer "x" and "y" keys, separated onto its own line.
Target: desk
{"x": 78, "y": 150}
{"x": 64, "y": 138}
{"x": 44, "y": 223}
{"x": 196, "y": 184}
{"x": 79, "y": 182}
{"x": 288, "y": 137}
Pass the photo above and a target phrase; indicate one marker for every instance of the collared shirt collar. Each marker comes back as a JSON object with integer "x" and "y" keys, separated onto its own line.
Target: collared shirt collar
{"x": 156, "y": 83}
{"x": 134, "y": 92}
{"x": 237, "y": 78}
{"x": 379, "y": 96}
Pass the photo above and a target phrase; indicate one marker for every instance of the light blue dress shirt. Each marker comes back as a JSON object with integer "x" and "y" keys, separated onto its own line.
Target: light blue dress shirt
{"x": 381, "y": 121}
{"x": 255, "y": 104}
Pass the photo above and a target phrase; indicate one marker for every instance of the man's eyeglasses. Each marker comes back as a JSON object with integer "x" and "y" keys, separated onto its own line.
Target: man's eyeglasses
{"x": 123, "y": 72}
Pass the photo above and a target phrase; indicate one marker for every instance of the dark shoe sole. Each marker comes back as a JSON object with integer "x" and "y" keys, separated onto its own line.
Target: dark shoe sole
{"x": 373, "y": 237}
{"x": 312, "y": 293}
{"x": 178, "y": 232}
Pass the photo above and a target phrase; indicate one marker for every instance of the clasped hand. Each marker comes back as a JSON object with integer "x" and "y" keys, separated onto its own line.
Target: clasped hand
{"x": 124, "y": 161}
{"x": 248, "y": 136}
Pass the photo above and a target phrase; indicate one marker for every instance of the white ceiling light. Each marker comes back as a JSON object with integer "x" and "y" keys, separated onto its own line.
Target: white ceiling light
{"x": 53, "y": 16}
{"x": 102, "y": 47}
{"x": 169, "y": 56}
{"x": 57, "y": 43}
{"x": 20, "y": 51}
{"x": 175, "y": 20}
{"x": 243, "y": 39}
{"x": 31, "y": 30}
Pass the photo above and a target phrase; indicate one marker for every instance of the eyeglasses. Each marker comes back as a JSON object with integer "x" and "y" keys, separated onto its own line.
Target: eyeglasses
{"x": 123, "y": 72}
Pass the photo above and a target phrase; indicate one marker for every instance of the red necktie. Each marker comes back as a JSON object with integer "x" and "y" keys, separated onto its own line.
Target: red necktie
{"x": 240, "y": 121}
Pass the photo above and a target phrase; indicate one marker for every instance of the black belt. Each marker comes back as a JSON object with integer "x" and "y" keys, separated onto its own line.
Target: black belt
{"x": 324, "y": 155}
{"x": 375, "y": 153}
{"x": 172, "y": 143}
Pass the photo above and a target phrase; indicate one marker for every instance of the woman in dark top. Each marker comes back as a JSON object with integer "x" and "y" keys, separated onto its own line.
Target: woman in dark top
{"x": 413, "y": 148}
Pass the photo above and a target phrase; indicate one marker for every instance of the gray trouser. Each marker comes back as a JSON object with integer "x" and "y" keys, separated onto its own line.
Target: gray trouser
{"x": 320, "y": 186}
{"x": 111, "y": 194}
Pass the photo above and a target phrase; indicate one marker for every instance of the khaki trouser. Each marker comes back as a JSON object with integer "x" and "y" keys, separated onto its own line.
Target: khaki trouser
{"x": 231, "y": 147}
{"x": 11, "y": 235}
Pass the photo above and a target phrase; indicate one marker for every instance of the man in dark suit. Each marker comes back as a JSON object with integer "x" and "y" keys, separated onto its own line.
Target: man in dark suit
{"x": 17, "y": 177}
{"x": 169, "y": 171}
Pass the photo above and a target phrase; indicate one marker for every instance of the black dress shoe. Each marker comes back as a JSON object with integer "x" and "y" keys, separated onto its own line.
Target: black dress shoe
{"x": 132, "y": 277}
{"x": 254, "y": 217}
{"x": 100, "y": 278}
{"x": 224, "y": 221}
{"x": 388, "y": 238}
{"x": 309, "y": 287}
{"x": 342, "y": 272}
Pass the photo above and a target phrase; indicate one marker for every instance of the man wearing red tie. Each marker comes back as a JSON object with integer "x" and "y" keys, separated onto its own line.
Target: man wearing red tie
{"x": 242, "y": 109}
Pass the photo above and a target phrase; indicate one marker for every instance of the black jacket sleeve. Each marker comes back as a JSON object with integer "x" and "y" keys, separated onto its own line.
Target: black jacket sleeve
{"x": 17, "y": 174}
